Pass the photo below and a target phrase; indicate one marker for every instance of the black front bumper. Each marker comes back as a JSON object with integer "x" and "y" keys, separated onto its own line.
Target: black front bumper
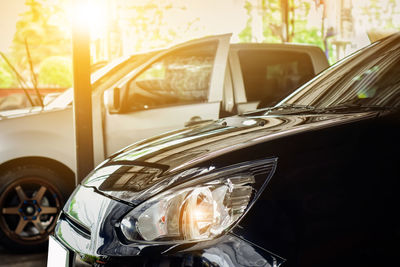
{"x": 89, "y": 228}
{"x": 228, "y": 250}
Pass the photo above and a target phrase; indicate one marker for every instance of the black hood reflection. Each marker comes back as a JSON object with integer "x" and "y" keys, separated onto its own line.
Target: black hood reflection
{"x": 189, "y": 146}
{"x": 131, "y": 178}
{"x": 142, "y": 166}
{"x": 92, "y": 215}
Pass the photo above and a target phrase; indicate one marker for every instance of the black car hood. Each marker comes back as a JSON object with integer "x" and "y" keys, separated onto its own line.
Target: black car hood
{"x": 90, "y": 220}
{"x": 147, "y": 167}
{"x": 187, "y": 147}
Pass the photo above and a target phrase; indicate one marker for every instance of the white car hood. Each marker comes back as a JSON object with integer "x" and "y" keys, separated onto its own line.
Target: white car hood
{"x": 6, "y": 114}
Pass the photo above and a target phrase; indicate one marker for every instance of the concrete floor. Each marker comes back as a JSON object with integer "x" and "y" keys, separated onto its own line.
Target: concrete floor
{"x": 13, "y": 259}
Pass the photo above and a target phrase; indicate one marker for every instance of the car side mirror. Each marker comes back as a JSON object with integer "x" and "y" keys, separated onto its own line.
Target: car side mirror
{"x": 112, "y": 100}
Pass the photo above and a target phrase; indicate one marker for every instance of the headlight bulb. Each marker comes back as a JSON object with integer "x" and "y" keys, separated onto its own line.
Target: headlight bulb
{"x": 198, "y": 214}
{"x": 192, "y": 213}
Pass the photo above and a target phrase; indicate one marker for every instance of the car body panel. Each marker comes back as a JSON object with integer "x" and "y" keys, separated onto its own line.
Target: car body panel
{"x": 91, "y": 209}
{"x": 197, "y": 84}
{"x": 331, "y": 199}
{"x": 38, "y": 135}
{"x": 230, "y": 90}
{"x": 297, "y": 161}
{"x": 138, "y": 122}
{"x": 198, "y": 144}
{"x": 82, "y": 233}
{"x": 316, "y": 55}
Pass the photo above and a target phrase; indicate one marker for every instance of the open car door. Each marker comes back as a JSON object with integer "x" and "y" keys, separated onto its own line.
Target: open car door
{"x": 178, "y": 87}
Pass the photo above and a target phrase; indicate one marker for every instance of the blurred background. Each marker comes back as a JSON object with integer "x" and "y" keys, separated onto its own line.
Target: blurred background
{"x": 36, "y": 50}
{"x": 123, "y": 27}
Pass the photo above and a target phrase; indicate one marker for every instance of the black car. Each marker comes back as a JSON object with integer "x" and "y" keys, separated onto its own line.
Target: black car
{"x": 313, "y": 181}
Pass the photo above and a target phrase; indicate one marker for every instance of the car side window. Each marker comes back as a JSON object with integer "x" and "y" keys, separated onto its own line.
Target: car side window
{"x": 270, "y": 75}
{"x": 181, "y": 77}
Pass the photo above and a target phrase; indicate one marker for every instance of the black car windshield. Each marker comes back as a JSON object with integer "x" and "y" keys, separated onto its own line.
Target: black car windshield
{"x": 368, "y": 78}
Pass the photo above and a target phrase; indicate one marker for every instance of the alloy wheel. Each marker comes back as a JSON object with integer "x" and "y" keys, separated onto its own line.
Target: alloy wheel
{"x": 28, "y": 210}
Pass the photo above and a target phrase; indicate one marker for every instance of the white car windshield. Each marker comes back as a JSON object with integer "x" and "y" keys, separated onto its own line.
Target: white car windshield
{"x": 112, "y": 72}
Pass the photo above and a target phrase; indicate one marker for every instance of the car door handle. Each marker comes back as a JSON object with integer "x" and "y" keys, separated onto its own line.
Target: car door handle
{"x": 195, "y": 120}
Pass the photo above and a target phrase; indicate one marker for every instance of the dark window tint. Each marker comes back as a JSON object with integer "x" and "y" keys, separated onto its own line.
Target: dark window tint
{"x": 177, "y": 78}
{"x": 270, "y": 75}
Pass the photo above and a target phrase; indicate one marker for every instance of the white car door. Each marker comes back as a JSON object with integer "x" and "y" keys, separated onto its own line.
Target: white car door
{"x": 181, "y": 85}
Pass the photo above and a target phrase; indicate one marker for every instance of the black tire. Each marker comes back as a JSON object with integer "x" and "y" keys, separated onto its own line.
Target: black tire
{"x": 31, "y": 196}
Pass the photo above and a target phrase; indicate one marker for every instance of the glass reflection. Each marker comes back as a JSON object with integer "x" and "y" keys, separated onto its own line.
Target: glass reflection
{"x": 367, "y": 79}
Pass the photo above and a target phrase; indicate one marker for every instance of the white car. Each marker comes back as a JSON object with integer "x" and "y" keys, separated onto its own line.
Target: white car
{"x": 134, "y": 98}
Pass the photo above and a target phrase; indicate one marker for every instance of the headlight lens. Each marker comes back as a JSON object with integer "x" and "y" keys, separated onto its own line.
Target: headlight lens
{"x": 191, "y": 213}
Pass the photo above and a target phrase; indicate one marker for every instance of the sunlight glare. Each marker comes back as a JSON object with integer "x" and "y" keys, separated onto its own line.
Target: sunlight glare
{"x": 92, "y": 14}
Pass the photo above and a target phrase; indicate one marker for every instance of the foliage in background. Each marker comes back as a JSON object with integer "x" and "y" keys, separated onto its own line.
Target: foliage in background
{"x": 246, "y": 34}
{"x": 147, "y": 24}
{"x": 271, "y": 19}
{"x": 39, "y": 27}
{"x": 303, "y": 33}
{"x": 306, "y": 34}
{"x": 150, "y": 24}
{"x": 382, "y": 14}
{"x": 7, "y": 78}
{"x": 56, "y": 71}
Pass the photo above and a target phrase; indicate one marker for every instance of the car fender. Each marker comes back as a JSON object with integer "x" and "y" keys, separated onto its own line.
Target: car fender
{"x": 47, "y": 134}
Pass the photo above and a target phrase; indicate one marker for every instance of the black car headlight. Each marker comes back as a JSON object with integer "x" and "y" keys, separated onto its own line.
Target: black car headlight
{"x": 200, "y": 209}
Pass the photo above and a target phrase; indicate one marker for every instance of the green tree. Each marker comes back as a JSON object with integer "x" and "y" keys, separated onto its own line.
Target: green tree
{"x": 38, "y": 27}
{"x": 245, "y": 34}
{"x": 147, "y": 22}
{"x": 7, "y": 78}
{"x": 271, "y": 20}
{"x": 303, "y": 33}
{"x": 151, "y": 23}
{"x": 382, "y": 14}
{"x": 56, "y": 71}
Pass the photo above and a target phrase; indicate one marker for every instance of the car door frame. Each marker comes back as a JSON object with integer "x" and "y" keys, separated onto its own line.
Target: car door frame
{"x": 317, "y": 58}
{"x": 217, "y": 79}
{"x": 217, "y": 75}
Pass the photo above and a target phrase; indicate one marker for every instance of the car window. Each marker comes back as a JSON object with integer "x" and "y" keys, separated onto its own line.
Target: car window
{"x": 108, "y": 76}
{"x": 104, "y": 77}
{"x": 370, "y": 78}
{"x": 270, "y": 75}
{"x": 180, "y": 77}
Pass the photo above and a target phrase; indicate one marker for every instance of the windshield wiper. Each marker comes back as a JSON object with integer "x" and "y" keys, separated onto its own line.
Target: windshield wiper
{"x": 33, "y": 75}
{"x": 292, "y": 106}
{"x": 20, "y": 79}
{"x": 287, "y": 108}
